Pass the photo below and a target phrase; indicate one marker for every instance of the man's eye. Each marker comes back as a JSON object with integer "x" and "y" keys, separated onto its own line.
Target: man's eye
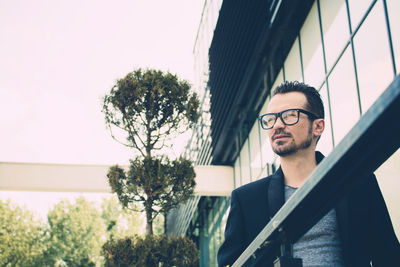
{"x": 290, "y": 114}
{"x": 270, "y": 120}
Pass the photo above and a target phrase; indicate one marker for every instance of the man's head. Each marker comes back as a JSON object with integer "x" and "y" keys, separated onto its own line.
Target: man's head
{"x": 314, "y": 103}
{"x": 295, "y": 118}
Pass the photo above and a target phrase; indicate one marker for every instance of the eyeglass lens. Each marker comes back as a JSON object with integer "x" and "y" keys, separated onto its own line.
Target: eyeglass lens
{"x": 289, "y": 117}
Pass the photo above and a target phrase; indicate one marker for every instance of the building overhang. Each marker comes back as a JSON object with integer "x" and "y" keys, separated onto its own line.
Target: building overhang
{"x": 250, "y": 42}
{"x": 210, "y": 180}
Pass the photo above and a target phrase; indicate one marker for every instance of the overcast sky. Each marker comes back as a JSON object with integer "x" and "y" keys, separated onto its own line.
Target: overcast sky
{"x": 59, "y": 58}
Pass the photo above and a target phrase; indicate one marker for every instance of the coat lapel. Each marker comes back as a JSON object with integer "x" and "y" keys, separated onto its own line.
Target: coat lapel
{"x": 276, "y": 197}
{"x": 275, "y": 193}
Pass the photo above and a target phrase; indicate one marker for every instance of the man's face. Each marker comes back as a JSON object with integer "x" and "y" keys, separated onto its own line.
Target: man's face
{"x": 288, "y": 139}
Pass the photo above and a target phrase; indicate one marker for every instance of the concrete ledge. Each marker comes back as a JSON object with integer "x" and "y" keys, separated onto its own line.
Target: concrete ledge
{"x": 211, "y": 180}
{"x": 214, "y": 180}
{"x": 53, "y": 177}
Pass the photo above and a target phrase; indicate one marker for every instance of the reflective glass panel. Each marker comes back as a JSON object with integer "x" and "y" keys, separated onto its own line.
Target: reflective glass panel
{"x": 394, "y": 20}
{"x": 255, "y": 151}
{"x": 374, "y": 64}
{"x": 293, "y": 63}
{"x": 245, "y": 163}
{"x": 343, "y": 96}
{"x": 238, "y": 179}
{"x": 335, "y": 28}
{"x": 267, "y": 155}
{"x": 264, "y": 172}
{"x": 357, "y": 11}
{"x": 313, "y": 61}
{"x": 325, "y": 142}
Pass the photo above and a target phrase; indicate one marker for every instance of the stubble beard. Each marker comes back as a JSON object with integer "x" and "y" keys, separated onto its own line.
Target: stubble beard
{"x": 292, "y": 148}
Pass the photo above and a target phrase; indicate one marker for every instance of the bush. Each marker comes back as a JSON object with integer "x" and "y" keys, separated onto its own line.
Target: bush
{"x": 22, "y": 237}
{"x": 151, "y": 250}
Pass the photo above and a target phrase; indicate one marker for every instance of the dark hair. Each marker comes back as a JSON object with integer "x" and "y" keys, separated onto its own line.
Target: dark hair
{"x": 314, "y": 102}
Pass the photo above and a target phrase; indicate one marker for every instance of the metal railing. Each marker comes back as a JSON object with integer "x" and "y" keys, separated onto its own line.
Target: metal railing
{"x": 370, "y": 142}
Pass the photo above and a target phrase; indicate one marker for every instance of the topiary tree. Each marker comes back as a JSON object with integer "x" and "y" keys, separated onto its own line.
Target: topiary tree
{"x": 159, "y": 184}
{"x": 149, "y": 109}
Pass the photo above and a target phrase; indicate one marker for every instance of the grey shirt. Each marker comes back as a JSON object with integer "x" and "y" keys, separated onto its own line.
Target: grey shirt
{"x": 320, "y": 246}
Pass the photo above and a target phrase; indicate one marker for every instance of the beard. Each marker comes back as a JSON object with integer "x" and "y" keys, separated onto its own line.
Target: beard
{"x": 292, "y": 148}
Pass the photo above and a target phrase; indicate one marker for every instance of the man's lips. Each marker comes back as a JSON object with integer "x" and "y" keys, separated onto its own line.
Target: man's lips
{"x": 280, "y": 136}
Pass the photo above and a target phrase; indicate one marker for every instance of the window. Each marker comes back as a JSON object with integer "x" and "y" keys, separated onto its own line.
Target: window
{"x": 335, "y": 28}
{"x": 255, "y": 151}
{"x": 245, "y": 163}
{"x": 267, "y": 155}
{"x": 325, "y": 144}
{"x": 343, "y": 96}
{"x": 357, "y": 10}
{"x": 238, "y": 178}
{"x": 394, "y": 20}
{"x": 313, "y": 62}
{"x": 293, "y": 63}
{"x": 372, "y": 51}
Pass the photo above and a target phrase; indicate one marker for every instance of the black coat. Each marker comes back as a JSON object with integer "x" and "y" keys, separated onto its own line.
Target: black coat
{"x": 365, "y": 229}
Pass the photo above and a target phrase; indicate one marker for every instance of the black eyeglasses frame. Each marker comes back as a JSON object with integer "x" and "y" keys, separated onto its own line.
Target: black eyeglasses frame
{"x": 311, "y": 115}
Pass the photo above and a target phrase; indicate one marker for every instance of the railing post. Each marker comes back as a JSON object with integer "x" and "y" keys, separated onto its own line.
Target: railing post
{"x": 286, "y": 259}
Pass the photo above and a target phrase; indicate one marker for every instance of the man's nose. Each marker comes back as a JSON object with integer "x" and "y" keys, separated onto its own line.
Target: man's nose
{"x": 279, "y": 124}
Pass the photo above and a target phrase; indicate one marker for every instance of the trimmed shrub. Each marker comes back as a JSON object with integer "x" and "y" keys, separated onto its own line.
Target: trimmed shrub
{"x": 151, "y": 250}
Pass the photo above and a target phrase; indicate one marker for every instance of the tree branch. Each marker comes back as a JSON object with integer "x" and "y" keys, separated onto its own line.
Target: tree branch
{"x": 132, "y": 133}
{"x": 113, "y": 137}
{"x": 135, "y": 209}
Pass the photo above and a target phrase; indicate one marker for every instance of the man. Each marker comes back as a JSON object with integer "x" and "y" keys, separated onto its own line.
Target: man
{"x": 357, "y": 232}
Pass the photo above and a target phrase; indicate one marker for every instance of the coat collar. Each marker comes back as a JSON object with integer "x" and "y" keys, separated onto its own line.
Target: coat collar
{"x": 276, "y": 197}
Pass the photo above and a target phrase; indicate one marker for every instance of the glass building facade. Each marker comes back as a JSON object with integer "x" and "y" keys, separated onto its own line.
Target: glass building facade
{"x": 349, "y": 50}
{"x": 350, "y": 60}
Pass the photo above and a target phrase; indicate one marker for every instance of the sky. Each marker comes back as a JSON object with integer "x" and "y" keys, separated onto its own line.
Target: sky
{"x": 59, "y": 58}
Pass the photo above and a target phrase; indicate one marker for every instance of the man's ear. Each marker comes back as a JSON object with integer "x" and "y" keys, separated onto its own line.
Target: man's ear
{"x": 318, "y": 127}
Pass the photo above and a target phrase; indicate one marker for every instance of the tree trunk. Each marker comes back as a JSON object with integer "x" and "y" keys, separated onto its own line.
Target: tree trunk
{"x": 149, "y": 228}
{"x": 149, "y": 221}
{"x": 165, "y": 222}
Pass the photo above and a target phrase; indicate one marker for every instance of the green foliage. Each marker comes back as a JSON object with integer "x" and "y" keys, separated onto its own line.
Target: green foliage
{"x": 22, "y": 238}
{"x": 77, "y": 233}
{"x": 150, "y": 107}
{"x": 119, "y": 222}
{"x": 73, "y": 237}
{"x": 151, "y": 251}
{"x": 157, "y": 183}
{"x": 158, "y": 224}
{"x": 78, "y": 230}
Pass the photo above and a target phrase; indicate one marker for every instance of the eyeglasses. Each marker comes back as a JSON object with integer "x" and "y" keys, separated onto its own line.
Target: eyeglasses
{"x": 288, "y": 117}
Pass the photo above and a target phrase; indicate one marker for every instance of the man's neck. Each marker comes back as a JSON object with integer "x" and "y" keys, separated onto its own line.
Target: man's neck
{"x": 298, "y": 167}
